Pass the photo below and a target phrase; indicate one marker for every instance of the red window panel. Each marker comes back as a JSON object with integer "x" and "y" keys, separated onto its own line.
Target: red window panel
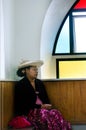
{"x": 81, "y": 4}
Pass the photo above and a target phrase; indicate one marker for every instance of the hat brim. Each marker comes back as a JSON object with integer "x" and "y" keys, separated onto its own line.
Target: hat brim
{"x": 26, "y": 64}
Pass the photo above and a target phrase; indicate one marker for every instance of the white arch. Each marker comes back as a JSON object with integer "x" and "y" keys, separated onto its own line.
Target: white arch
{"x": 53, "y": 19}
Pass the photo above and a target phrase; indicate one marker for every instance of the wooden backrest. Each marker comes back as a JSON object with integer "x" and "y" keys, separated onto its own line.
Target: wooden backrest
{"x": 7, "y": 90}
{"x": 70, "y": 98}
{"x": 67, "y": 96}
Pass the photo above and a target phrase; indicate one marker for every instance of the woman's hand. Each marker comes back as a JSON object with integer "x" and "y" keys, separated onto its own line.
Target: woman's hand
{"x": 46, "y": 106}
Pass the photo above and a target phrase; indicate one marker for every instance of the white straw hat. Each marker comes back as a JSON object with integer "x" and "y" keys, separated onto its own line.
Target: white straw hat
{"x": 25, "y": 64}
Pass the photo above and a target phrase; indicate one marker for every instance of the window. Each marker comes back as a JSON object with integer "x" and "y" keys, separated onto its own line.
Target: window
{"x": 63, "y": 45}
{"x": 71, "y": 68}
{"x": 72, "y": 39}
{"x": 79, "y": 21}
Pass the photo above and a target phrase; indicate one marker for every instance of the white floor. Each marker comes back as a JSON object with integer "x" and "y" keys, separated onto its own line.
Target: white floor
{"x": 78, "y": 127}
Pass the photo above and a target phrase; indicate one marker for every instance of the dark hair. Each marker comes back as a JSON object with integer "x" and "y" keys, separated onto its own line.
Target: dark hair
{"x": 20, "y": 73}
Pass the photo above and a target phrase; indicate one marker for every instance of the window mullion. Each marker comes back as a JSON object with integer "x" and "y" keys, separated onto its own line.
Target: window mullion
{"x": 71, "y": 33}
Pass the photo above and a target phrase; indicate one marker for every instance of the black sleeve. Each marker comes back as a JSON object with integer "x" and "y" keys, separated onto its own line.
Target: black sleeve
{"x": 18, "y": 108}
{"x": 21, "y": 102}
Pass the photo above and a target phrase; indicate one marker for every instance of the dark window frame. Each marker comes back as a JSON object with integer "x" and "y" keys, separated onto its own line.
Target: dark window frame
{"x": 67, "y": 59}
{"x": 71, "y": 35}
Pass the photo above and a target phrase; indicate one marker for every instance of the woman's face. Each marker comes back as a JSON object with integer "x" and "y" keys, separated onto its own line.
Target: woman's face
{"x": 32, "y": 72}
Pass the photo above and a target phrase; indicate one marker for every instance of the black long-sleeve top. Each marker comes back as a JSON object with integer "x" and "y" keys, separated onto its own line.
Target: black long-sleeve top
{"x": 25, "y": 96}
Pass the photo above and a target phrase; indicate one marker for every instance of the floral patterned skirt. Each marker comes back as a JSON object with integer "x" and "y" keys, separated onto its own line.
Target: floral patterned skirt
{"x": 43, "y": 119}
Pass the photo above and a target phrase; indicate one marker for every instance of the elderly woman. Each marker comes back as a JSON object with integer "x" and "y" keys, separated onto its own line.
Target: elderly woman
{"x": 31, "y": 100}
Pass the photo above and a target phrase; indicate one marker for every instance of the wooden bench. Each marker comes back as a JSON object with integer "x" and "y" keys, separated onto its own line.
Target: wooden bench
{"x": 68, "y": 96}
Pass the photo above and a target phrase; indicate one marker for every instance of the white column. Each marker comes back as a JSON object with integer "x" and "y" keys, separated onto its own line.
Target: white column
{"x": 2, "y": 49}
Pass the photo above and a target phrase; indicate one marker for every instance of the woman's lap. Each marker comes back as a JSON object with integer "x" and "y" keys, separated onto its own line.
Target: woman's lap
{"x": 44, "y": 119}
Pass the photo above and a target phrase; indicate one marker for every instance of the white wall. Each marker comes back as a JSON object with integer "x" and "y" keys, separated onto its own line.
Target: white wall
{"x": 9, "y": 36}
{"x": 29, "y": 18}
{"x": 24, "y": 21}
